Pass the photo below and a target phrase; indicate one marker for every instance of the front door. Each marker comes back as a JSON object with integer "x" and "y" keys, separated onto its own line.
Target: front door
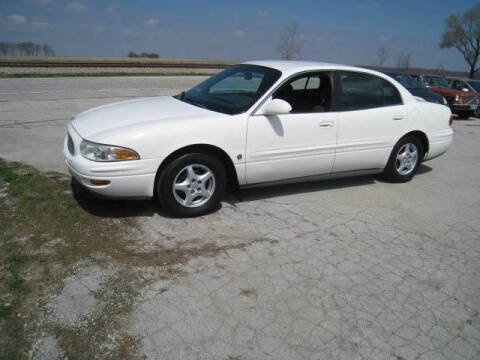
{"x": 298, "y": 144}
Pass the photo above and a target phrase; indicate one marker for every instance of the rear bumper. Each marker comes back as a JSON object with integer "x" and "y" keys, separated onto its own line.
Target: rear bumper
{"x": 472, "y": 107}
{"x": 127, "y": 179}
{"x": 439, "y": 142}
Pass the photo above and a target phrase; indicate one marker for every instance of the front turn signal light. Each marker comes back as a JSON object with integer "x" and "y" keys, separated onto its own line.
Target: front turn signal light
{"x": 100, "y": 182}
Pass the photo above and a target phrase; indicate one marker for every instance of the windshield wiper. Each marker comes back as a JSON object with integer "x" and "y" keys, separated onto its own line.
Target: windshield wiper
{"x": 194, "y": 102}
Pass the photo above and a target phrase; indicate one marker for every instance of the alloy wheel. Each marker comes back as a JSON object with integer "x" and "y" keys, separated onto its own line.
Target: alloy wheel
{"x": 406, "y": 159}
{"x": 193, "y": 185}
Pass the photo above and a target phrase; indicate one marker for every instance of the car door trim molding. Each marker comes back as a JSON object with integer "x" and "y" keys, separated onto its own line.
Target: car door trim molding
{"x": 363, "y": 146}
{"x": 335, "y": 175}
{"x": 292, "y": 152}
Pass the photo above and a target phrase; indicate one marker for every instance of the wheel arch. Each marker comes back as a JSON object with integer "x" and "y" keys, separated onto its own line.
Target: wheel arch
{"x": 227, "y": 162}
{"x": 423, "y": 138}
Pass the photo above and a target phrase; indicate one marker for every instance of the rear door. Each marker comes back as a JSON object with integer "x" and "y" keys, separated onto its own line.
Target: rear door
{"x": 371, "y": 118}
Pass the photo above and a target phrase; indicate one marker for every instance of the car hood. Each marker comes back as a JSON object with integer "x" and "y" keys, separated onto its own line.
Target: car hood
{"x": 427, "y": 95}
{"x": 131, "y": 112}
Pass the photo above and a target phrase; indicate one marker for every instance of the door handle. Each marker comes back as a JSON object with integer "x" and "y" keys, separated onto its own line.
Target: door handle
{"x": 398, "y": 117}
{"x": 326, "y": 124}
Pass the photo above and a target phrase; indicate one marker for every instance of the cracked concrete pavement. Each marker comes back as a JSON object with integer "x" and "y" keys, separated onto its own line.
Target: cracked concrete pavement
{"x": 342, "y": 269}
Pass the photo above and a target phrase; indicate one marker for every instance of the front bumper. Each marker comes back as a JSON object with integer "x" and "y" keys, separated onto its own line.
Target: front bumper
{"x": 128, "y": 179}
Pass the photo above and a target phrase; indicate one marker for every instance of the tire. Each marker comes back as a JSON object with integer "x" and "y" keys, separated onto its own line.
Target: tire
{"x": 399, "y": 172}
{"x": 465, "y": 114}
{"x": 477, "y": 112}
{"x": 196, "y": 193}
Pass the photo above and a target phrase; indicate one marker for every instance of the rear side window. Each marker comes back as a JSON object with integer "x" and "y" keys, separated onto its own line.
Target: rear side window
{"x": 363, "y": 91}
{"x": 391, "y": 96}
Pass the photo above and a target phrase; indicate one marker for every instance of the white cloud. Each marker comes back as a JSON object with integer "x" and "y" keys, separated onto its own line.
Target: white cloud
{"x": 151, "y": 22}
{"x": 76, "y": 6}
{"x": 128, "y": 32}
{"x": 263, "y": 13}
{"x": 13, "y": 22}
{"x": 40, "y": 25}
{"x": 239, "y": 33}
{"x": 16, "y": 20}
{"x": 99, "y": 28}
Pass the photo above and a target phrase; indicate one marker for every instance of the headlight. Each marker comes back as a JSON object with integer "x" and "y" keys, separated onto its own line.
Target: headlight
{"x": 457, "y": 98}
{"x": 101, "y": 152}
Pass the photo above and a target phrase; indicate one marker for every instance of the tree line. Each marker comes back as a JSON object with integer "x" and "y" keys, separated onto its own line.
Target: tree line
{"x": 133, "y": 54}
{"x": 27, "y": 48}
{"x": 462, "y": 32}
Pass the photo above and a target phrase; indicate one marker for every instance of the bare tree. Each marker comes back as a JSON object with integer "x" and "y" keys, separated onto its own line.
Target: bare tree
{"x": 463, "y": 33}
{"x": 4, "y": 48}
{"x": 440, "y": 68}
{"x": 25, "y": 48}
{"x": 290, "y": 45}
{"x": 404, "y": 61}
{"x": 12, "y": 49}
{"x": 37, "y": 49}
{"x": 47, "y": 50}
{"x": 383, "y": 52}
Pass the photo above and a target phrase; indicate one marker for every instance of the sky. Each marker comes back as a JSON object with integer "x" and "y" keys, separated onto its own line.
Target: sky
{"x": 342, "y": 31}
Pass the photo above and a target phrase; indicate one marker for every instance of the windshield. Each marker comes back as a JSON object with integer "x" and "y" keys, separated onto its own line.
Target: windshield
{"x": 233, "y": 90}
{"x": 475, "y": 85}
{"x": 436, "y": 81}
{"x": 407, "y": 81}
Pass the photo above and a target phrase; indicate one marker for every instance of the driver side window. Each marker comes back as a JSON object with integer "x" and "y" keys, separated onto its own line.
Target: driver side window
{"x": 308, "y": 93}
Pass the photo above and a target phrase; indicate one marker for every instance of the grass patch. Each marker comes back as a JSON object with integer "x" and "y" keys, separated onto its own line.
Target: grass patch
{"x": 43, "y": 233}
{"x": 48, "y": 229}
{"x": 101, "y": 74}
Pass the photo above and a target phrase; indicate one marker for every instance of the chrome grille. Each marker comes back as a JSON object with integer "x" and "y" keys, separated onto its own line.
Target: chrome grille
{"x": 71, "y": 147}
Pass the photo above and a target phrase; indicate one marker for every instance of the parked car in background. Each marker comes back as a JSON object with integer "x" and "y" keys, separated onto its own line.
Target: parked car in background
{"x": 462, "y": 103}
{"x": 466, "y": 85}
{"x": 257, "y": 123}
{"x": 417, "y": 88}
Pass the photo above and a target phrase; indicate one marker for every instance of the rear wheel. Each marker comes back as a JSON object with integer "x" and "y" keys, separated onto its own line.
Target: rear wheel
{"x": 477, "y": 112}
{"x": 404, "y": 160}
{"x": 192, "y": 184}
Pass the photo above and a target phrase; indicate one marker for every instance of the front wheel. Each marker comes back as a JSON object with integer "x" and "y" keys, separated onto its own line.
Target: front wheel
{"x": 404, "y": 160}
{"x": 192, "y": 184}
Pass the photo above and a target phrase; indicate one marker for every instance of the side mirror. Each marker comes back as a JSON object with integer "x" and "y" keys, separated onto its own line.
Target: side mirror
{"x": 275, "y": 107}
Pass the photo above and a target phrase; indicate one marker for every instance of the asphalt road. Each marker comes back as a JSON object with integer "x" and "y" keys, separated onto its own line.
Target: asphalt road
{"x": 344, "y": 269}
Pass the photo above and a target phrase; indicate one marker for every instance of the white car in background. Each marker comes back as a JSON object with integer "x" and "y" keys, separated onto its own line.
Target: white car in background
{"x": 256, "y": 123}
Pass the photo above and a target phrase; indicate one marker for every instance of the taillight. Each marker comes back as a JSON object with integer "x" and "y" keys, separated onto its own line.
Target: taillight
{"x": 450, "y": 122}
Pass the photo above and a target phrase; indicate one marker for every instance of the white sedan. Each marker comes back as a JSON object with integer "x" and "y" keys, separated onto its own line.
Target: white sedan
{"x": 253, "y": 124}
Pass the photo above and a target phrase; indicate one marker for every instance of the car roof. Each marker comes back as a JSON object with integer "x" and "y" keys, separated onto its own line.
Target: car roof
{"x": 289, "y": 68}
{"x": 289, "y": 65}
